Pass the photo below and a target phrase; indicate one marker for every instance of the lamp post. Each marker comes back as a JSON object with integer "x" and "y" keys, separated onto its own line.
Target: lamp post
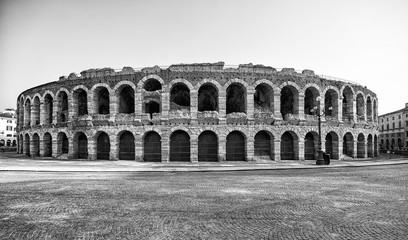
{"x": 319, "y": 113}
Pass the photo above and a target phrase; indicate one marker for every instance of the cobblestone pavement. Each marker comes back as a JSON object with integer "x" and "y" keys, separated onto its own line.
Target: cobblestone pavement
{"x": 331, "y": 203}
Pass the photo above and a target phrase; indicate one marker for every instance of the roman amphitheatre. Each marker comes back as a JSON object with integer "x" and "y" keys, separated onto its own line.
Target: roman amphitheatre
{"x": 206, "y": 112}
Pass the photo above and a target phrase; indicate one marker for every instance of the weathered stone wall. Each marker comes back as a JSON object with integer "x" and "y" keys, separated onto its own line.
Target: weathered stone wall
{"x": 34, "y": 128}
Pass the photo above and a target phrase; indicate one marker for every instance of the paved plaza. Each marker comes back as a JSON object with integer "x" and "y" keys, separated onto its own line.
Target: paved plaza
{"x": 317, "y": 203}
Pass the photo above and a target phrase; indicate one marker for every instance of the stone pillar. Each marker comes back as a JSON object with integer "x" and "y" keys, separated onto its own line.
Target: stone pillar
{"x": 33, "y": 115}
{"x": 138, "y": 105}
{"x": 355, "y": 148}
{"x": 165, "y": 105}
{"x": 55, "y": 111}
{"x": 322, "y": 109}
{"x": 301, "y": 149}
{"x": 113, "y": 106}
{"x": 71, "y": 152}
{"x": 354, "y": 110}
{"x": 222, "y": 105}
{"x": 250, "y": 104}
{"x": 114, "y": 149}
{"x": 32, "y": 148}
{"x": 165, "y": 148}
{"x": 277, "y": 149}
{"x": 139, "y": 153}
{"x": 194, "y": 148}
{"x": 42, "y": 147}
{"x": 91, "y": 105}
{"x": 71, "y": 109}
{"x": 340, "y": 109}
{"x": 42, "y": 113}
{"x": 92, "y": 148}
{"x": 250, "y": 149}
{"x": 193, "y": 106}
{"x": 55, "y": 146}
{"x": 277, "y": 107}
{"x": 300, "y": 106}
{"x": 222, "y": 150}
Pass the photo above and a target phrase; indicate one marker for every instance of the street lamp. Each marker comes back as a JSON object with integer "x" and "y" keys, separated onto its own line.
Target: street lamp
{"x": 319, "y": 113}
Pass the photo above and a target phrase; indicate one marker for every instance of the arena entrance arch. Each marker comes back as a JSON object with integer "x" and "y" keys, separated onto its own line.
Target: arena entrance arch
{"x": 262, "y": 145}
{"x": 361, "y": 146}
{"x": 63, "y": 144}
{"x": 47, "y": 145}
{"x": 36, "y": 145}
{"x": 375, "y": 146}
{"x": 370, "y": 146}
{"x": 82, "y": 146}
{"x": 127, "y": 146}
{"x": 207, "y": 147}
{"x": 348, "y": 145}
{"x": 180, "y": 146}
{"x": 288, "y": 146}
{"x": 235, "y": 146}
{"x": 103, "y": 147}
{"x": 332, "y": 145}
{"x": 309, "y": 146}
{"x": 27, "y": 144}
{"x": 152, "y": 147}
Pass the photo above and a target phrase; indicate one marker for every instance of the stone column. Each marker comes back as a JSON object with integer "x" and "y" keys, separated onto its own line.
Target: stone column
{"x": 42, "y": 145}
{"x": 42, "y": 113}
{"x": 71, "y": 152}
{"x": 277, "y": 149}
{"x": 355, "y": 148}
{"x": 250, "y": 104}
{"x": 193, "y": 106}
{"x": 222, "y": 150}
{"x": 165, "y": 148}
{"x": 340, "y": 109}
{"x": 33, "y": 115}
{"x": 32, "y": 148}
{"x": 139, "y": 153}
{"x": 250, "y": 149}
{"x": 55, "y": 146}
{"x": 194, "y": 148}
{"x": 113, "y": 106}
{"x": 92, "y": 149}
{"x": 301, "y": 149}
{"x": 277, "y": 107}
{"x": 222, "y": 105}
{"x": 354, "y": 110}
{"x": 138, "y": 105}
{"x": 114, "y": 149}
{"x": 55, "y": 108}
{"x": 165, "y": 105}
{"x": 300, "y": 106}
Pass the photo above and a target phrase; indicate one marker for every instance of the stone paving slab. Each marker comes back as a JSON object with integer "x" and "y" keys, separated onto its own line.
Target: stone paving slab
{"x": 53, "y": 165}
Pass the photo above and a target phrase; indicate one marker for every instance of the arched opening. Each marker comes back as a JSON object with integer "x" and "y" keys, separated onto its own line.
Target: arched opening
{"x": 14, "y": 143}
{"x": 236, "y": 98}
{"x": 62, "y": 107}
{"x": 102, "y": 101}
{"x": 289, "y": 102}
{"x": 36, "y": 145}
{"x": 331, "y": 103}
{"x": 152, "y": 147}
{"x": 180, "y": 97}
{"x": 387, "y": 144}
{"x": 347, "y": 108}
{"x": 207, "y": 98}
{"x": 152, "y": 85}
{"x": 360, "y": 106}
{"x": 48, "y": 107}
{"x": 376, "y": 146}
{"x": 370, "y": 146}
{"x": 127, "y": 100}
{"x": 20, "y": 144}
{"x": 27, "y": 144}
{"x": 2, "y": 143}
{"x": 399, "y": 143}
{"x": 263, "y": 145}
{"x": 81, "y": 100}
{"x": 369, "y": 109}
{"x": 311, "y": 94}
{"x": 82, "y": 146}
{"x": 348, "y": 145}
{"x": 309, "y": 146}
{"x": 263, "y": 98}
{"x": 127, "y": 146}
{"x": 392, "y": 143}
{"x": 47, "y": 145}
{"x": 235, "y": 146}
{"x": 207, "y": 147}
{"x": 103, "y": 147}
{"x": 27, "y": 113}
{"x": 361, "y": 145}
{"x": 36, "y": 111}
{"x": 8, "y": 143}
{"x": 288, "y": 146}
{"x": 382, "y": 144}
{"x": 152, "y": 107}
{"x": 332, "y": 145}
{"x": 180, "y": 146}
{"x": 63, "y": 144}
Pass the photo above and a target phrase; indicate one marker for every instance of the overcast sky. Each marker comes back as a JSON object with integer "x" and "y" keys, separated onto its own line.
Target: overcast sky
{"x": 362, "y": 41}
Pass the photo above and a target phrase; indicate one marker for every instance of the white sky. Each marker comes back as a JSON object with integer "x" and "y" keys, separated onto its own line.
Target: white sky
{"x": 365, "y": 41}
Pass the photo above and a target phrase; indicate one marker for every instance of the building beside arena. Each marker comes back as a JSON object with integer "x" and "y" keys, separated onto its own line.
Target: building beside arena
{"x": 8, "y": 122}
{"x": 197, "y": 112}
{"x": 394, "y": 130}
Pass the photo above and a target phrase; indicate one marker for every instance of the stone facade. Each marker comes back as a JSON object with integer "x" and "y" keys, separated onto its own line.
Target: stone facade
{"x": 394, "y": 130}
{"x": 197, "y": 112}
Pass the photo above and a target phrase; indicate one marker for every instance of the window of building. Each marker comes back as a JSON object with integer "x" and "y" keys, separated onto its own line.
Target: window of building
{"x": 393, "y": 125}
{"x": 9, "y": 121}
{"x": 1, "y": 132}
{"x": 382, "y": 128}
{"x": 388, "y": 119}
{"x": 9, "y": 135}
{"x": 392, "y": 118}
{"x": 382, "y": 120}
{"x": 399, "y": 125}
{"x": 388, "y": 127}
{"x": 399, "y": 116}
{"x": 9, "y": 128}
